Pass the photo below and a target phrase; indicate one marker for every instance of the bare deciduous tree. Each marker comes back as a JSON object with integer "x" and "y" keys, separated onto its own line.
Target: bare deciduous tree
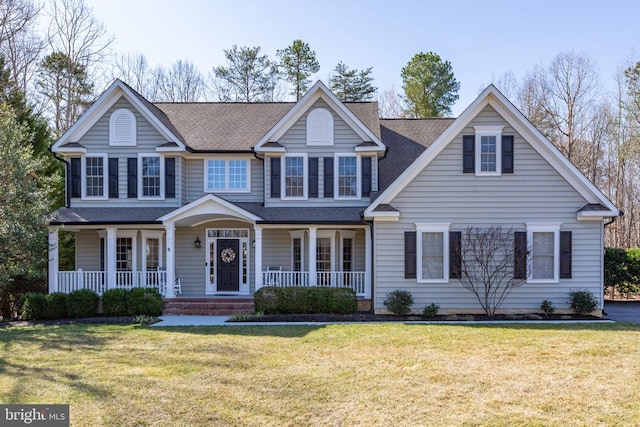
{"x": 182, "y": 82}
{"x": 390, "y": 104}
{"x": 489, "y": 262}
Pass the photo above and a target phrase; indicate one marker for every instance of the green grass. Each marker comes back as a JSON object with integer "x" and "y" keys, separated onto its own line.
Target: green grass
{"x": 340, "y": 375}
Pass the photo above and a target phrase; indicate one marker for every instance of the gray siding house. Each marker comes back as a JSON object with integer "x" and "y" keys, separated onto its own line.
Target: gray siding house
{"x": 225, "y": 198}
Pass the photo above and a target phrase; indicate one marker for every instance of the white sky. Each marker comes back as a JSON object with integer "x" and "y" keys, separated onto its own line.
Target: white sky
{"x": 482, "y": 39}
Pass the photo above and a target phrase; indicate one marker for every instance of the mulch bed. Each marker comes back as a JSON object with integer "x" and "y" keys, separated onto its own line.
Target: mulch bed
{"x": 370, "y": 317}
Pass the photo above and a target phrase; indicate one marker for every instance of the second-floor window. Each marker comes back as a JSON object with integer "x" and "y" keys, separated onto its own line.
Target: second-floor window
{"x": 94, "y": 177}
{"x": 151, "y": 172}
{"x": 294, "y": 177}
{"x": 222, "y": 175}
{"x": 347, "y": 176}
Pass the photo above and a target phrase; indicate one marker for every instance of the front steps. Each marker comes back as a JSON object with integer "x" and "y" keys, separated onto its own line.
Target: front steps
{"x": 215, "y": 306}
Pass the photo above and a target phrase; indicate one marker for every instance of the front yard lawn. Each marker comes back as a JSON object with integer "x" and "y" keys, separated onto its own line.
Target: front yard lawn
{"x": 338, "y": 375}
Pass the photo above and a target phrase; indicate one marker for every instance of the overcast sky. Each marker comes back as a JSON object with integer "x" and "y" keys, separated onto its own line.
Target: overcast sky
{"x": 481, "y": 39}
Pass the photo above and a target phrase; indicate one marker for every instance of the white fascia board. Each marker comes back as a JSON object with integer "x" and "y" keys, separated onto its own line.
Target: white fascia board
{"x": 195, "y": 208}
{"x": 71, "y": 150}
{"x": 595, "y": 215}
{"x": 99, "y": 108}
{"x": 317, "y": 91}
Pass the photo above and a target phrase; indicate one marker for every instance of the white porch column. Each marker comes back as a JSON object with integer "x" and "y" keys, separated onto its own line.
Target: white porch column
{"x": 368, "y": 271}
{"x": 170, "y": 229}
{"x": 53, "y": 259}
{"x": 313, "y": 235}
{"x": 111, "y": 257}
{"x": 258, "y": 255}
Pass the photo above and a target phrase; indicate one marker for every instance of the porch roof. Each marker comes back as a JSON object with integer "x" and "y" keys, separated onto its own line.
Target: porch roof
{"x": 304, "y": 215}
{"x": 85, "y": 216}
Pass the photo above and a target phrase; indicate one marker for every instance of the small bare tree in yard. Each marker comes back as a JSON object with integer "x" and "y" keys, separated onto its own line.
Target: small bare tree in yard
{"x": 492, "y": 263}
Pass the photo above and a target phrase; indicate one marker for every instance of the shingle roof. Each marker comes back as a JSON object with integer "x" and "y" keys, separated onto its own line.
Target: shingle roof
{"x": 406, "y": 139}
{"x": 80, "y": 216}
{"x": 233, "y": 126}
{"x": 304, "y": 215}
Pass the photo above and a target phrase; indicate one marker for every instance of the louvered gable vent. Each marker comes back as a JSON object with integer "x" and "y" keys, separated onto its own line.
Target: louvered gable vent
{"x": 319, "y": 127}
{"x": 122, "y": 128}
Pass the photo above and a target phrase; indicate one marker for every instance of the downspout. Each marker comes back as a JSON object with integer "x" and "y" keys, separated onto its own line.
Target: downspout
{"x": 264, "y": 193}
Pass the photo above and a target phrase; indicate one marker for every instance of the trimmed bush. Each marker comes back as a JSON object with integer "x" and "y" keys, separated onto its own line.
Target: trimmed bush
{"x": 582, "y": 302}
{"x": 14, "y": 290}
{"x": 82, "y": 303}
{"x": 547, "y": 307}
{"x": 302, "y": 300}
{"x": 430, "y": 311}
{"x": 34, "y": 306}
{"x": 144, "y": 302}
{"x": 399, "y": 302}
{"x": 115, "y": 301}
{"x": 55, "y": 306}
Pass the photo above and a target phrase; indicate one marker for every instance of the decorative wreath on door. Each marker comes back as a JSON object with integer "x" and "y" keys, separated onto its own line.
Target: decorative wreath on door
{"x": 228, "y": 255}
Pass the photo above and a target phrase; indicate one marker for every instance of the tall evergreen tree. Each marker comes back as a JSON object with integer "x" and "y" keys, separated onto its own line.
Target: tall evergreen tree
{"x": 430, "y": 88}
{"x": 352, "y": 85}
{"x": 299, "y": 63}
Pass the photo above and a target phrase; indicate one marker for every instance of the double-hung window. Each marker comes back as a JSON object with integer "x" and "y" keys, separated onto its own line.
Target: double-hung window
{"x": 151, "y": 182}
{"x": 227, "y": 175}
{"x": 544, "y": 252}
{"x": 433, "y": 252}
{"x": 347, "y": 177}
{"x": 488, "y": 150}
{"x": 95, "y": 183}
{"x": 295, "y": 177}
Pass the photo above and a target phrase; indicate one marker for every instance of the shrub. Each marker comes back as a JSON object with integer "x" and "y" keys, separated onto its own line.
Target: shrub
{"x": 582, "y": 302}
{"x": 34, "y": 306}
{"x": 82, "y": 303}
{"x": 272, "y": 300}
{"x": 547, "y": 307}
{"x": 114, "y": 302}
{"x": 14, "y": 290}
{"x": 399, "y": 302}
{"x": 145, "y": 302}
{"x": 430, "y": 311}
{"x": 55, "y": 306}
{"x": 145, "y": 320}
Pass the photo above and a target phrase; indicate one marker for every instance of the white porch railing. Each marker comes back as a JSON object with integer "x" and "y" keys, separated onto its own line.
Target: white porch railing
{"x": 337, "y": 279}
{"x": 69, "y": 281}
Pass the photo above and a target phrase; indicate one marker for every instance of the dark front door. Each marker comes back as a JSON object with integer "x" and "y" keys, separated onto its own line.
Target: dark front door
{"x": 228, "y": 271}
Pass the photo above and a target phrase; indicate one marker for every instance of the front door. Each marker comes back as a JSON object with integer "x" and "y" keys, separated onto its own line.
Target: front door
{"x": 228, "y": 265}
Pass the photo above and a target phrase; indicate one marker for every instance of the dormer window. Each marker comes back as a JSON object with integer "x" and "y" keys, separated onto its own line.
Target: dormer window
{"x": 319, "y": 127}
{"x": 122, "y": 128}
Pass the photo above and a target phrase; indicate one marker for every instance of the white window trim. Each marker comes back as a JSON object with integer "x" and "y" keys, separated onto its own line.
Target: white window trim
{"x": 544, "y": 227}
{"x": 327, "y": 114}
{"x": 133, "y": 234}
{"x": 162, "y": 177}
{"x": 347, "y": 234}
{"x": 327, "y": 234}
{"x": 433, "y": 227}
{"x": 105, "y": 176}
{"x": 283, "y": 177}
{"x": 336, "y": 177}
{"x": 481, "y": 131}
{"x": 207, "y": 189}
{"x": 298, "y": 234}
{"x": 147, "y": 234}
{"x": 116, "y": 143}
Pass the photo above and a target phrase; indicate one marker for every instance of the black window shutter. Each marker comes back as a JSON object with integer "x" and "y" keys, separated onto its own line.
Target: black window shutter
{"x": 132, "y": 177}
{"x": 455, "y": 254}
{"x": 313, "y": 177}
{"x": 366, "y": 176}
{"x": 520, "y": 255}
{"x": 468, "y": 154}
{"x": 565, "y": 254}
{"x": 507, "y": 154}
{"x": 170, "y": 177}
{"x": 275, "y": 177}
{"x": 328, "y": 177}
{"x": 410, "y": 255}
{"x": 76, "y": 177}
{"x": 113, "y": 178}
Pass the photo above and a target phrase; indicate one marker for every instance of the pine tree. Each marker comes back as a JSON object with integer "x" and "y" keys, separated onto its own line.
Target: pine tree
{"x": 299, "y": 63}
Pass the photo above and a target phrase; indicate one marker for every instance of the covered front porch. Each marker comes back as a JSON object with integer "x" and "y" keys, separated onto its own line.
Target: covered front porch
{"x": 213, "y": 248}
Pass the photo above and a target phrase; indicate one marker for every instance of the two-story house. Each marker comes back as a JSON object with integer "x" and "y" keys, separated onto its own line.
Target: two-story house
{"x": 230, "y": 197}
